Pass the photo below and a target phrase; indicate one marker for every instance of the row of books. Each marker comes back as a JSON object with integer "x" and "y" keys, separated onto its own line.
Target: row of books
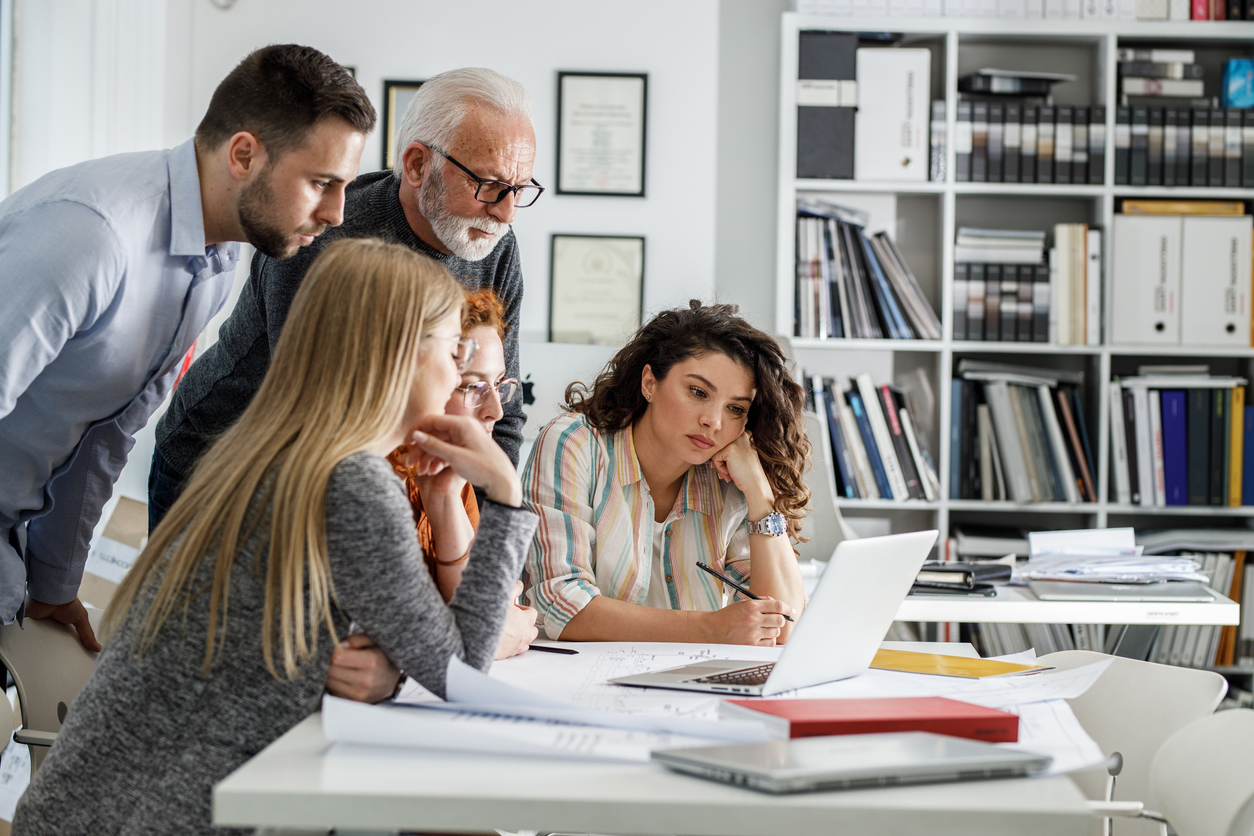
{"x": 1181, "y": 440}
{"x": 1035, "y": 9}
{"x": 1018, "y": 433}
{"x": 877, "y": 452}
{"x": 1028, "y": 301}
{"x": 1200, "y": 646}
{"x": 1157, "y": 146}
{"x": 1014, "y": 142}
{"x": 853, "y": 284}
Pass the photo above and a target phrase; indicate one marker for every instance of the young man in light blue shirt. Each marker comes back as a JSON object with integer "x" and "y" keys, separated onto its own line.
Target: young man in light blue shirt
{"x": 108, "y": 272}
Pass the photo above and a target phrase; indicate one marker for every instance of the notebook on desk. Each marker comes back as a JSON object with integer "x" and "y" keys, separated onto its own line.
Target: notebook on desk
{"x": 1166, "y": 591}
{"x": 836, "y": 636}
{"x": 857, "y": 761}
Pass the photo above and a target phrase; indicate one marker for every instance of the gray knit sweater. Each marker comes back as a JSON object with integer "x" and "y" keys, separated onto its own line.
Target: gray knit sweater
{"x": 222, "y": 382}
{"x": 148, "y": 738}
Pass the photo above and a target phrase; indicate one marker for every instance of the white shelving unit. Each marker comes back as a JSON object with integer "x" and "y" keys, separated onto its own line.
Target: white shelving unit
{"x": 931, "y": 211}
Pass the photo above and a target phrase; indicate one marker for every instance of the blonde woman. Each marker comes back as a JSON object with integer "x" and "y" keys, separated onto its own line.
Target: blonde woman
{"x": 292, "y": 526}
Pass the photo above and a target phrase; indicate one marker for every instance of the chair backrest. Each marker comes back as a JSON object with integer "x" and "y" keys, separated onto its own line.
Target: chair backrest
{"x": 1132, "y": 709}
{"x": 824, "y": 524}
{"x": 50, "y": 666}
{"x": 1203, "y": 776}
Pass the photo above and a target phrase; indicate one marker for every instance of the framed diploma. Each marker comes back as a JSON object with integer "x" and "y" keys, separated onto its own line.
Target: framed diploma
{"x": 396, "y": 97}
{"x": 596, "y": 288}
{"x": 600, "y": 133}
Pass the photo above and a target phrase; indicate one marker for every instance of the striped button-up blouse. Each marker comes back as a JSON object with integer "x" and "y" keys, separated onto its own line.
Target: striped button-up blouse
{"x": 597, "y": 520}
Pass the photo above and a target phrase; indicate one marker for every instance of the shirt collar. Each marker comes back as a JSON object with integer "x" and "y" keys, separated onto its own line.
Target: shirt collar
{"x": 187, "y": 218}
{"x": 700, "y": 485}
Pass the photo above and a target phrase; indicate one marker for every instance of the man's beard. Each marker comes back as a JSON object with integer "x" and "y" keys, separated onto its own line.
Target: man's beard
{"x": 257, "y": 218}
{"x": 454, "y": 231}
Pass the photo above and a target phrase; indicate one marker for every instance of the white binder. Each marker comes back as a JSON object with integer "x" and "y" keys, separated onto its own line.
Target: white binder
{"x": 1215, "y": 277}
{"x": 1146, "y": 283}
{"x": 892, "y": 131}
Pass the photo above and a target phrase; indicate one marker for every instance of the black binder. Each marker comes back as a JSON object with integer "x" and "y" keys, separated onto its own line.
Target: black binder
{"x": 1154, "y": 152}
{"x": 1139, "y": 156}
{"x": 1123, "y": 144}
{"x": 1097, "y": 145}
{"x": 825, "y": 134}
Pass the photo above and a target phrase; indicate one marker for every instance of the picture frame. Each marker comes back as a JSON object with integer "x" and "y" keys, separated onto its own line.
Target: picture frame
{"x": 601, "y": 133}
{"x": 396, "y": 97}
{"x": 596, "y": 288}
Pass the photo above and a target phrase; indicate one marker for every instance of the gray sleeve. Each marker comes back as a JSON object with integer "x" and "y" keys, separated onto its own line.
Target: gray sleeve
{"x": 509, "y": 286}
{"x": 382, "y": 584}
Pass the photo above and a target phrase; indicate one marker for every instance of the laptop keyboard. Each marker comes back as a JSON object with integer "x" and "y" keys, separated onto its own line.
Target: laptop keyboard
{"x": 743, "y": 676}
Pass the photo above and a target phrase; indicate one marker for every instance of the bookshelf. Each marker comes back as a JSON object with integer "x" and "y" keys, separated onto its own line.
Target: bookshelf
{"x": 924, "y": 216}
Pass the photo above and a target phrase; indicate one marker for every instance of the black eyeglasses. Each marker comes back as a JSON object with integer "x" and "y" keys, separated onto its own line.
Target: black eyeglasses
{"x": 494, "y": 191}
{"x": 473, "y": 394}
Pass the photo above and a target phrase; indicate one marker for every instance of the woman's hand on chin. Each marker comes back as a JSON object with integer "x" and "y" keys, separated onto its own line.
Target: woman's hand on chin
{"x": 738, "y": 462}
{"x": 460, "y": 443}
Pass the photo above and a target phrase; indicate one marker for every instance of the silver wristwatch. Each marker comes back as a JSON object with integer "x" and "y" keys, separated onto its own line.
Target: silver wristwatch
{"x": 772, "y": 525}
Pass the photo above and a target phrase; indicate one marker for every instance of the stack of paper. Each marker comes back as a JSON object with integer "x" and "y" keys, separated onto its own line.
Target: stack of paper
{"x": 1101, "y": 556}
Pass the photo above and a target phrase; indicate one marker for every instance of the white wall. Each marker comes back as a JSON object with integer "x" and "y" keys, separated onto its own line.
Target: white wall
{"x": 675, "y": 43}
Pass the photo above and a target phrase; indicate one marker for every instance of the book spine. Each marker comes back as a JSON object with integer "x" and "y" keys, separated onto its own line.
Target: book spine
{"x": 1197, "y": 421}
{"x": 1097, "y": 145}
{"x": 911, "y": 476}
{"x": 1200, "y": 147}
{"x": 963, "y": 142}
{"x": 1215, "y": 150}
{"x": 1216, "y": 491}
{"x": 1139, "y": 152}
{"x": 992, "y": 302}
{"x": 1236, "y": 446}
{"x": 1129, "y": 431}
{"x": 979, "y": 142}
{"x": 1156, "y": 447}
{"x": 1027, "y": 145}
{"x": 869, "y": 444}
{"x": 1171, "y": 147}
{"x": 938, "y": 150}
{"x": 1123, "y": 145}
{"x": 955, "y": 439}
{"x": 1045, "y": 145}
{"x": 1175, "y": 447}
{"x": 1012, "y": 142}
{"x": 883, "y": 439}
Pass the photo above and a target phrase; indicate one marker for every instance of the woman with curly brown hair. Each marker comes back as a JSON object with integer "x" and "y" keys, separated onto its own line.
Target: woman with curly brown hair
{"x": 688, "y": 448}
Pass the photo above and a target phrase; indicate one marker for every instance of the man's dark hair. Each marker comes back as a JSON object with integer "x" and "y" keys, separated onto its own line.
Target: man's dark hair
{"x": 279, "y": 93}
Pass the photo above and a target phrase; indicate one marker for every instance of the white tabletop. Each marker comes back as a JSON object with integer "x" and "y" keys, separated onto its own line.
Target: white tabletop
{"x": 302, "y": 781}
{"x": 1017, "y": 604}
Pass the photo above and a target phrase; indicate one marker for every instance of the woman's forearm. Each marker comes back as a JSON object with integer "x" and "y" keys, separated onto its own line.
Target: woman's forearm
{"x": 608, "y": 619}
{"x": 451, "y": 536}
{"x": 774, "y": 573}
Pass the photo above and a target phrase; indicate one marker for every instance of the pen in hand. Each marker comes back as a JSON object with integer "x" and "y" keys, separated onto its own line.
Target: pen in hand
{"x": 733, "y": 584}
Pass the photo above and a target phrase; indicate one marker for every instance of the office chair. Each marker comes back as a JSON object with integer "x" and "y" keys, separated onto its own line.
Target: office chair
{"x": 824, "y": 524}
{"x": 50, "y": 666}
{"x": 1130, "y": 711}
{"x": 1203, "y": 776}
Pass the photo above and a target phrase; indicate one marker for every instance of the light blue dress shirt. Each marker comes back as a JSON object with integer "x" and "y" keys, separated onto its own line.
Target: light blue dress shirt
{"x": 105, "y": 283}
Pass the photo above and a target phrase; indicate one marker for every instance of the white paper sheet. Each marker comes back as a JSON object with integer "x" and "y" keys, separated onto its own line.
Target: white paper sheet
{"x": 470, "y": 690}
{"x": 1051, "y": 728}
{"x": 345, "y": 721}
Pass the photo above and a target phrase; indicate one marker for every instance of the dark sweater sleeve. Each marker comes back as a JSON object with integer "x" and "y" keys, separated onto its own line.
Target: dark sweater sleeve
{"x": 381, "y": 583}
{"x": 509, "y": 287}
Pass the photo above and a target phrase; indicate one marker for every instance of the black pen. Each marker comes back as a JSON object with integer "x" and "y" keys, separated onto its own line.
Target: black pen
{"x": 733, "y": 584}
{"x": 547, "y": 649}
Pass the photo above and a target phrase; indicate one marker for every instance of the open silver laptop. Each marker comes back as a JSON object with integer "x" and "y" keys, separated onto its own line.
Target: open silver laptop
{"x": 836, "y": 636}
{"x": 1165, "y": 591}
{"x": 852, "y": 761}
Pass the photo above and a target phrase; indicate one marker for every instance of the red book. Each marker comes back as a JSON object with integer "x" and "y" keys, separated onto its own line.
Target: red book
{"x": 1201, "y": 10}
{"x": 811, "y": 718}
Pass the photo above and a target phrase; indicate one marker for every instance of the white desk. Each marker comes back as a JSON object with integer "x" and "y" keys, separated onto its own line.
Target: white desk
{"x": 1017, "y": 605}
{"x": 300, "y": 781}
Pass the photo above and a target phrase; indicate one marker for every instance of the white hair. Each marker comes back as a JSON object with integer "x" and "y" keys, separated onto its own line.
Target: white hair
{"x": 436, "y": 111}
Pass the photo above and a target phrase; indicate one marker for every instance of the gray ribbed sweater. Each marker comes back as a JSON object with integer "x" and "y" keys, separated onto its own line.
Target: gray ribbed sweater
{"x": 222, "y": 382}
{"x": 148, "y": 738}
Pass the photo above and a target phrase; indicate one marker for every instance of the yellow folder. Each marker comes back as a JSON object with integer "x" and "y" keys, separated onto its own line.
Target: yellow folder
{"x": 932, "y": 663}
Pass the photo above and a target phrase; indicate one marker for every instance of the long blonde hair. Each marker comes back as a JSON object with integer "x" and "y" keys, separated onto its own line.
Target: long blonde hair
{"x": 338, "y": 383}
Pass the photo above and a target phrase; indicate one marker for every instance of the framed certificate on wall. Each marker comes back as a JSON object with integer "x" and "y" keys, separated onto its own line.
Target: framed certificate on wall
{"x": 601, "y": 133}
{"x": 596, "y": 288}
{"x": 396, "y": 98}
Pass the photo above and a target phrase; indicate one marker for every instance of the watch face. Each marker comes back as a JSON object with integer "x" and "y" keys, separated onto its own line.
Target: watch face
{"x": 772, "y": 524}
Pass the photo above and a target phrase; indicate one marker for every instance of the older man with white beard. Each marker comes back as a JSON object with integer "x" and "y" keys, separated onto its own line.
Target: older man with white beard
{"x": 465, "y": 169}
